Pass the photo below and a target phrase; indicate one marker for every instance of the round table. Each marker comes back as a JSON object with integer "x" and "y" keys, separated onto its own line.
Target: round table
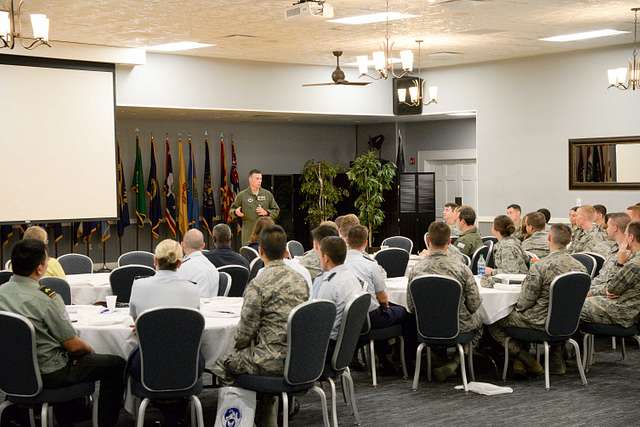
{"x": 496, "y": 303}
{"x": 88, "y": 288}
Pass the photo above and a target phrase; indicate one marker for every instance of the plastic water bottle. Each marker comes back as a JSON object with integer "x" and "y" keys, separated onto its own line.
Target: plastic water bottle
{"x": 481, "y": 265}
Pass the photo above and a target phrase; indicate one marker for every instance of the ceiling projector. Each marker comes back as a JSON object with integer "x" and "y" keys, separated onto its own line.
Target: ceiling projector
{"x": 309, "y": 9}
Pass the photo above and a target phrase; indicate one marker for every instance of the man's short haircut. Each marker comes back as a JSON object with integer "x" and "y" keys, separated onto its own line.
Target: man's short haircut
{"x": 168, "y": 253}
{"x": 452, "y": 205}
{"x": 261, "y": 223}
{"x": 330, "y": 224}
{"x": 193, "y": 239}
{"x": 633, "y": 229}
{"x": 635, "y": 210}
{"x": 560, "y": 234}
{"x": 322, "y": 231}
{"x": 222, "y": 234}
{"x": 335, "y": 248}
{"x": 601, "y": 209}
{"x": 536, "y": 220}
{"x": 504, "y": 225}
{"x": 347, "y": 221}
{"x": 546, "y": 213}
{"x": 620, "y": 219}
{"x": 358, "y": 236}
{"x": 254, "y": 171}
{"x": 439, "y": 233}
{"x": 36, "y": 232}
{"x": 467, "y": 214}
{"x": 515, "y": 206}
{"x": 273, "y": 241}
{"x": 588, "y": 211}
{"x": 27, "y": 255}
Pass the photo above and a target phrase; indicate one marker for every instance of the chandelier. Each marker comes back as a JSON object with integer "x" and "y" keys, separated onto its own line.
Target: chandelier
{"x": 382, "y": 60}
{"x": 625, "y": 78}
{"x": 416, "y": 88}
{"x": 11, "y": 26}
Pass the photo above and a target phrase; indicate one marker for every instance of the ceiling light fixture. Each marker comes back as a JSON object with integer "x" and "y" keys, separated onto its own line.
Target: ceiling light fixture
{"x": 416, "y": 89}
{"x": 382, "y": 59}
{"x": 9, "y": 32}
{"x": 372, "y": 18}
{"x": 177, "y": 46}
{"x": 628, "y": 77}
{"x": 583, "y": 36}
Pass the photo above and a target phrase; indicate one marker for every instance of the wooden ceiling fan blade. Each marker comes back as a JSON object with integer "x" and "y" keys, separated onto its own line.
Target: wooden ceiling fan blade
{"x": 318, "y": 84}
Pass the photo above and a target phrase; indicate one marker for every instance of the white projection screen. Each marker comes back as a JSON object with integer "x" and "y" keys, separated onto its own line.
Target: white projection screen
{"x": 57, "y": 139}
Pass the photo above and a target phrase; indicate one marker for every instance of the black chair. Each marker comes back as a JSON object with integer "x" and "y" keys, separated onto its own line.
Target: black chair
{"x": 239, "y": 279}
{"x": 483, "y": 251}
{"x": 5, "y": 275}
{"x": 308, "y": 329}
{"x": 566, "y": 298}
{"x": 437, "y": 309}
{"x": 255, "y": 266}
{"x": 76, "y": 264}
{"x": 60, "y": 286}
{"x": 136, "y": 258}
{"x": 600, "y": 260}
{"x": 490, "y": 259}
{"x": 224, "y": 284}
{"x": 249, "y": 253}
{"x": 588, "y": 261}
{"x": 20, "y": 374}
{"x": 591, "y": 330}
{"x": 354, "y": 317}
{"x": 486, "y": 239}
{"x": 368, "y": 338}
{"x": 169, "y": 348}
{"x": 399, "y": 242}
{"x": 393, "y": 260}
{"x": 121, "y": 280}
{"x": 295, "y": 248}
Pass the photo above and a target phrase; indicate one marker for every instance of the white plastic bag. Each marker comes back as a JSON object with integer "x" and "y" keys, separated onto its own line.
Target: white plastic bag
{"x": 236, "y": 407}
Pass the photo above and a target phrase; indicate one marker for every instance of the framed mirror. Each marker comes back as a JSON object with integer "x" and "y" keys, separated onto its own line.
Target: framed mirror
{"x": 604, "y": 163}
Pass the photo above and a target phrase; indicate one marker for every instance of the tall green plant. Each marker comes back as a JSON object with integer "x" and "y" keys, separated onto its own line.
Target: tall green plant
{"x": 320, "y": 194}
{"x": 371, "y": 178}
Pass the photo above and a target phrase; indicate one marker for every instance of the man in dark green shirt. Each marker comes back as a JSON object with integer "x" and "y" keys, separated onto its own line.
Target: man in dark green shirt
{"x": 469, "y": 240}
{"x": 252, "y": 203}
{"x": 63, "y": 358}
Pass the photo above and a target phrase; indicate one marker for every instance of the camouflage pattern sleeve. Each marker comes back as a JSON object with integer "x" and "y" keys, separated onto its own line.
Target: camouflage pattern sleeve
{"x": 471, "y": 292}
{"x": 531, "y": 288}
{"x": 509, "y": 258}
{"x": 249, "y": 317}
{"x": 627, "y": 278}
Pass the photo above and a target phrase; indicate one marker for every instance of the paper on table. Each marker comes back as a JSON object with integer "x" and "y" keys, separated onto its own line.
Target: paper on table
{"x": 511, "y": 287}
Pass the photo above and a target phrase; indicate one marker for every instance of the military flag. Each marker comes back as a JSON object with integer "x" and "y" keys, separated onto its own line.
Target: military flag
{"x": 6, "y": 231}
{"x": 138, "y": 187}
{"x": 123, "y": 204}
{"x": 170, "y": 198}
{"x": 58, "y": 234}
{"x": 88, "y": 230}
{"x": 77, "y": 232}
{"x": 105, "y": 231}
{"x": 235, "y": 179}
{"x": 208, "y": 204}
{"x": 183, "y": 219}
{"x": 193, "y": 208}
{"x": 153, "y": 192}
{"x": 226, "y": 195}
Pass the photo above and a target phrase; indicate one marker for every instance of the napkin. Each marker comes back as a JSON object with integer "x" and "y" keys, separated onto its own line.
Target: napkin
{"x": 487, "y": 389}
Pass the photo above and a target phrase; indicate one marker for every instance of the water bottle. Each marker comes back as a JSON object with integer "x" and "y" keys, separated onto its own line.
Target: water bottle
{"x": 481, "y": 266}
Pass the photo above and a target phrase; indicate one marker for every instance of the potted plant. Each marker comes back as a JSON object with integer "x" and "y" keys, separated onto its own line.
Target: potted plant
{"x": 321, "y": 196}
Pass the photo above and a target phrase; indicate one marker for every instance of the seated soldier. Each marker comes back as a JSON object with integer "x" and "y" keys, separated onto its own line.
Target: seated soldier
{"x": 533, "y": 304}
{"x": 575, "y": 230}
{"x": 223, "y": 254}
{"x": 616, "y": 226}
{"x": 438, "y": 262}
{"x": 507, "y": 254}
{"x": 537, "y": 241}
{"x": 600, "y": 217}
{"x": 451, "y": 251}
{"x": 450, "y": 216}
{"x": 63, "y": 358}
{"x": 591, "y": 238}
{"x": 621, "y": 303}
{"x": 261, "y": 336}
{"x": 469, "y": 240}
{"x": 514, "y": 212}
{"x": 634, "y": 212}
{"x": 195, "y": 267}
{"x": 344, "y": 224}
{"x": 54, "y": 269}
{"x": 311, "y": 260}
{"x": 547, "y": 216}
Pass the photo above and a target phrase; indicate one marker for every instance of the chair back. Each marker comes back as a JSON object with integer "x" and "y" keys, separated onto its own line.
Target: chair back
{"x": 490, "y": 259}
{"x": 467, "y": 260}
{"x": 295, "y": 248}
{"x": 481, "y": 251}
{"x": 566, "y": 298}
{"x": 60, "y": 286}
{"x": 121, "y": 279}
{"x": 7, "y": 265}
{"x": 239, "y": 279}
{"x": 249, "y": 253}
{"x": 76, "y": 264}
{"x": 19, "y": 371}
{"x": 588, "y": 261}
{"x": 169, "y": 347}
{"x": 599, "y": 259}
{"x": 136, "y": 258}
{"x": 355, "y": 316}
{"x": 486, "y": 239}
{"x": 5, "y": 275}
{"x": 308, "y": 329}
{"x": 254, "y": 267}
{"x": 224, "y": 284}
{"x": 399, "y": 242}
{"x": 393, "y": 260}
{"x": 437, "y": 305}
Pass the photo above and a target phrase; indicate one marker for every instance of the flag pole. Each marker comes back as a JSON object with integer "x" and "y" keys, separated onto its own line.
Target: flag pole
{"x": 71, "y": 238}
{"x": 137, "y": 235}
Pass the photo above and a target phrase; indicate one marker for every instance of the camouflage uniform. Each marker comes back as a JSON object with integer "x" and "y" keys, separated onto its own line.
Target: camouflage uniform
{"x": 452, "y": 251}
{"x": 509, "y": 258}
{"x": 454, "y": 230}
{"x": 533, "y": 304}
{"x": 249, "y": 202}
{"x": 469, "y": 241}
{"x": 311, "y": 261}
{"x": 608, "y": 271}
{"x": 623, "y": 310}
{"x": 575, "y": 232}
{"x": 518, "y": 234}
{"x": 537, "y": 244}
{"x": 590, "y": 241}
{"x": 438, "y": 262}
{"x": 261, "y": 339}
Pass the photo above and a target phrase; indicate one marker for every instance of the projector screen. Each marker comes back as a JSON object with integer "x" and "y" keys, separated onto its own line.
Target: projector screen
{"x": 57, "y": 139}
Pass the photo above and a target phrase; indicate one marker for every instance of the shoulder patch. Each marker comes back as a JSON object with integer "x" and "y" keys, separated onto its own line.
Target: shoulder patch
{"x": 48, "y": 292}
{"x": 460, "y": 245}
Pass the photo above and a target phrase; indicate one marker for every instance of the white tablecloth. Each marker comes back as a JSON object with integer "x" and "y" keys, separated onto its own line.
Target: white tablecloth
{"x": 89, "y": 288}
{"x": 496, "y": 303}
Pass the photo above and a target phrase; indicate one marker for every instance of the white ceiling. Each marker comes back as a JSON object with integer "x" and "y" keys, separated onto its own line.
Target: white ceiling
{"x": 478, "y": 30}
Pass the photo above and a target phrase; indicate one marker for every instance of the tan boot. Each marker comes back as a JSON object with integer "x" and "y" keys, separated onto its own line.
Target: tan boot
{"x": 533, "y": 367}
{"x": 519, "y": 370}
{"x": 445, "y": 371}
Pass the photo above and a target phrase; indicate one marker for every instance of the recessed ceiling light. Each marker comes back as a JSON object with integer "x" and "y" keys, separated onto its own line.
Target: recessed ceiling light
{"x": 584, "y": 36}
{"x": 372, "y": 18}
{"x": 177, "y": 46}
{"x": 463, "y": 114}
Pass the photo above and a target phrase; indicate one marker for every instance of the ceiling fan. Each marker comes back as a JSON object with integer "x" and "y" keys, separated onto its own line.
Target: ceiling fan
{"x": 337, "y": 76}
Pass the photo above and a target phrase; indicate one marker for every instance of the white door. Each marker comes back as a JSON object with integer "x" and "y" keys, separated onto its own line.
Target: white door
{"x": 454, "y": 178}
